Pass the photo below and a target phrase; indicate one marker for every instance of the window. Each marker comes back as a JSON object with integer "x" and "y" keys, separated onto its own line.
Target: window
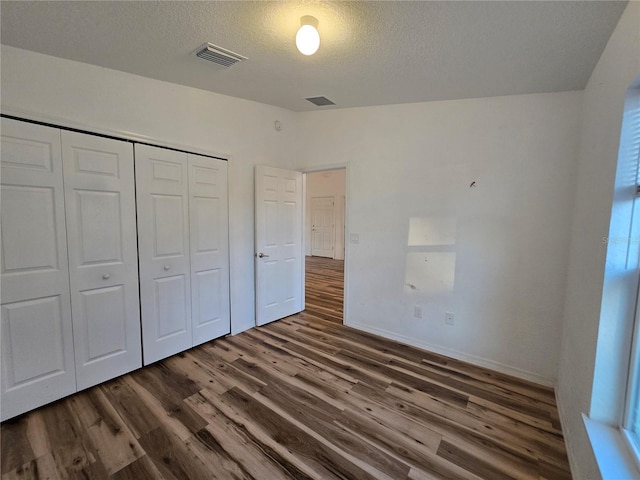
{"x": 630, "y": 148}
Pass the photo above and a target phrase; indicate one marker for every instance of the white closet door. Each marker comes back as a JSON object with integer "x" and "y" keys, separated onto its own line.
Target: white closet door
{"x": 209, "y": 241}
{"x": 103, "y": 256}
{"x": 163, "y": 234}
{"x": 37, "y": 343}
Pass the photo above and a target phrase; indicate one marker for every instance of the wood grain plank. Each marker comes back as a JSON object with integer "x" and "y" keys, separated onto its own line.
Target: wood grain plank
{"x": 433, "y": 389}
{"x": 492, "y": 377}
{"x": 246, "y": 442}
{"x": 16, "y": 449}
{"x": 308, "y": 449}
{"x": 497, "y": 395}
{"x": 481, "y": 466}
{"x": 554, "y": 470}
{"x": 347, "y": 368}
{"x": 171, "y": 456}
{"x": 171, "y": 413}
{"x": 453, "y": 421}
{"x": 71, "y": 448}
{"x": 41, "y": 468}
{"x": 324, "y": 288}
{"x": 114, "y": 443}
{"x": 221, "y": 371}
{"x": 203, "y": 373}
{"x": 142, "y": 469}
{"x": 302, "y": 398}
{"x": 134, "y": 411}
{"x": 207, "y": 448}
{"x": 303, "y": 409}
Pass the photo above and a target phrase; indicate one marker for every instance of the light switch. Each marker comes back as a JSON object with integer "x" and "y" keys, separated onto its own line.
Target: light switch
{"x": 354, "y": 238}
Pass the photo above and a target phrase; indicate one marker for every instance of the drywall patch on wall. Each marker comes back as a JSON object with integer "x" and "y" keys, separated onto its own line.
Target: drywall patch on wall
{"x": 494, "y": 254}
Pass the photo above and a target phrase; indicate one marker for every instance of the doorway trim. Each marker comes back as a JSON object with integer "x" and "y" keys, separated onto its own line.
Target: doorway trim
{"x": 347, "y": 217}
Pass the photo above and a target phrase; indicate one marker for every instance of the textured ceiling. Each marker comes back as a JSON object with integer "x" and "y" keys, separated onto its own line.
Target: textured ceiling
{"x": 371, "y": 53}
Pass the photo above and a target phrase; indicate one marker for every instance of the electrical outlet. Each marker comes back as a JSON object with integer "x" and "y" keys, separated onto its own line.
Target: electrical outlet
{"x": 417, "y": 311}
{"x": 449, "y": 318}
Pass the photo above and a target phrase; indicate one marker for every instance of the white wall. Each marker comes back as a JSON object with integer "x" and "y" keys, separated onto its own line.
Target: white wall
{"x": 407, "y": 162}
{"x": 330, "y": 183}
{"x": 494, "y": 254}
{"x": 101, "y": 99}
{"x": 586, "y": 323}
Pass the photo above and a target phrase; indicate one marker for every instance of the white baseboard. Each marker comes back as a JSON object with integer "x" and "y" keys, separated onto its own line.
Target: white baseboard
{"x": 569, "y": 445}
{"x": 479, "y": 361}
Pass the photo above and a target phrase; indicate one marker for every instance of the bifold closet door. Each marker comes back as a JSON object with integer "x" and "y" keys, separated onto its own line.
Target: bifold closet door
{"x": 37, "y": 342}
{"x": 209, "y": 242}
{"x": 162, "y": 189}
{"x": 103, "y": 257}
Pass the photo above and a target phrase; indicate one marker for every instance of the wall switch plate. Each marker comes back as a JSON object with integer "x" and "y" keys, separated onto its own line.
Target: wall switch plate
{"x": 417, "y": 311}
{"x": 449, "y": 318}
{"x": 354, "y": 238}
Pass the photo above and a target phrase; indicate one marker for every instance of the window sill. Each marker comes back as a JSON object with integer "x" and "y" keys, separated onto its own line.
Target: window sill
{"x": 611, "y": 452}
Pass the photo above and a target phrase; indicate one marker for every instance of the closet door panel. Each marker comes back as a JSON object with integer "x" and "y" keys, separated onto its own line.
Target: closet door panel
{"x": 104, "y": 315}
{"x": 171, "y": 306}
{"x": 209, "y": 241}
{"x": 26, "y": 334}
{"x": 36, "y": 330}
{"x": 101, "y": 224}
{"x": 30, "y": 235}
{"x": 163, "y": 234}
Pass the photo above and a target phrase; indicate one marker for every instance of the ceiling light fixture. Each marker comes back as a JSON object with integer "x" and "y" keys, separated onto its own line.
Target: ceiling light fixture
{"x": 308, "y": 38}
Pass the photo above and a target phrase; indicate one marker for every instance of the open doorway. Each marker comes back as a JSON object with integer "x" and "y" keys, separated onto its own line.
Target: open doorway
{"x": 325, "y": 218}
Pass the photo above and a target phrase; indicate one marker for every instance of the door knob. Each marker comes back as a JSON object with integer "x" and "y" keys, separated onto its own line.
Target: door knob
{"x": 167, "y": 267}
{"x": 106, "y": 276}
{"x": 262, "y": 255}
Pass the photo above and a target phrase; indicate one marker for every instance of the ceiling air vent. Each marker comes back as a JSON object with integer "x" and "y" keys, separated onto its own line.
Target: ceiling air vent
{"x": 320, "y": 101}
{"x": 219, "y": 55}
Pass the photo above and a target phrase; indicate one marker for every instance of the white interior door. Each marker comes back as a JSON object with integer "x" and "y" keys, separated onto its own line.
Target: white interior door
{"x": 37, "y": 343}
{"x": 103, "y": 256}
{"x": 163, "y": 235}
{"x": 279, "y": 259}
{"x": 322, "y": 227}
{"x": 209, "y": 241}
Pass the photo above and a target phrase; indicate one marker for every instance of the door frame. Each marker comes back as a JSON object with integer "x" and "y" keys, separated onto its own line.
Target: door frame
{"x": 347, "y": 217}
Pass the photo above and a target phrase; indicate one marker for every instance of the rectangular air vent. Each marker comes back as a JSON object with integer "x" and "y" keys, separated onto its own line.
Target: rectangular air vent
{"x": 219, "y": 55}
{"x": 320, "y": 101}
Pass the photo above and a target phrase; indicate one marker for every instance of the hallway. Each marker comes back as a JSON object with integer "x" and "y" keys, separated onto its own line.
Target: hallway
{"x": 324, "y": 288}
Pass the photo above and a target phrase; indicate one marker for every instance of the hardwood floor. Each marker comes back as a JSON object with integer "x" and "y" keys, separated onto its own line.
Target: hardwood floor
{"x": 301, "y": 398}
{"x": 324, "y": 288}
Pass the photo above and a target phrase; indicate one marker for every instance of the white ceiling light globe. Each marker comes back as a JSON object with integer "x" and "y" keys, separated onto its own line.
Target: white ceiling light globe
{"x": 307, "y": 40}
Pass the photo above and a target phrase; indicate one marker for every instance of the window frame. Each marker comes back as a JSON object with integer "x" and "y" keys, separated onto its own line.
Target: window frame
{"x": 631, "y": 434}
{"x": 630, "y": 423}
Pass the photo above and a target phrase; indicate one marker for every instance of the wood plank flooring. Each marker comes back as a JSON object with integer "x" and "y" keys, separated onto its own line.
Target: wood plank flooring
{"x": 301, "y": 398}
{"x": 324, "y": 288}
